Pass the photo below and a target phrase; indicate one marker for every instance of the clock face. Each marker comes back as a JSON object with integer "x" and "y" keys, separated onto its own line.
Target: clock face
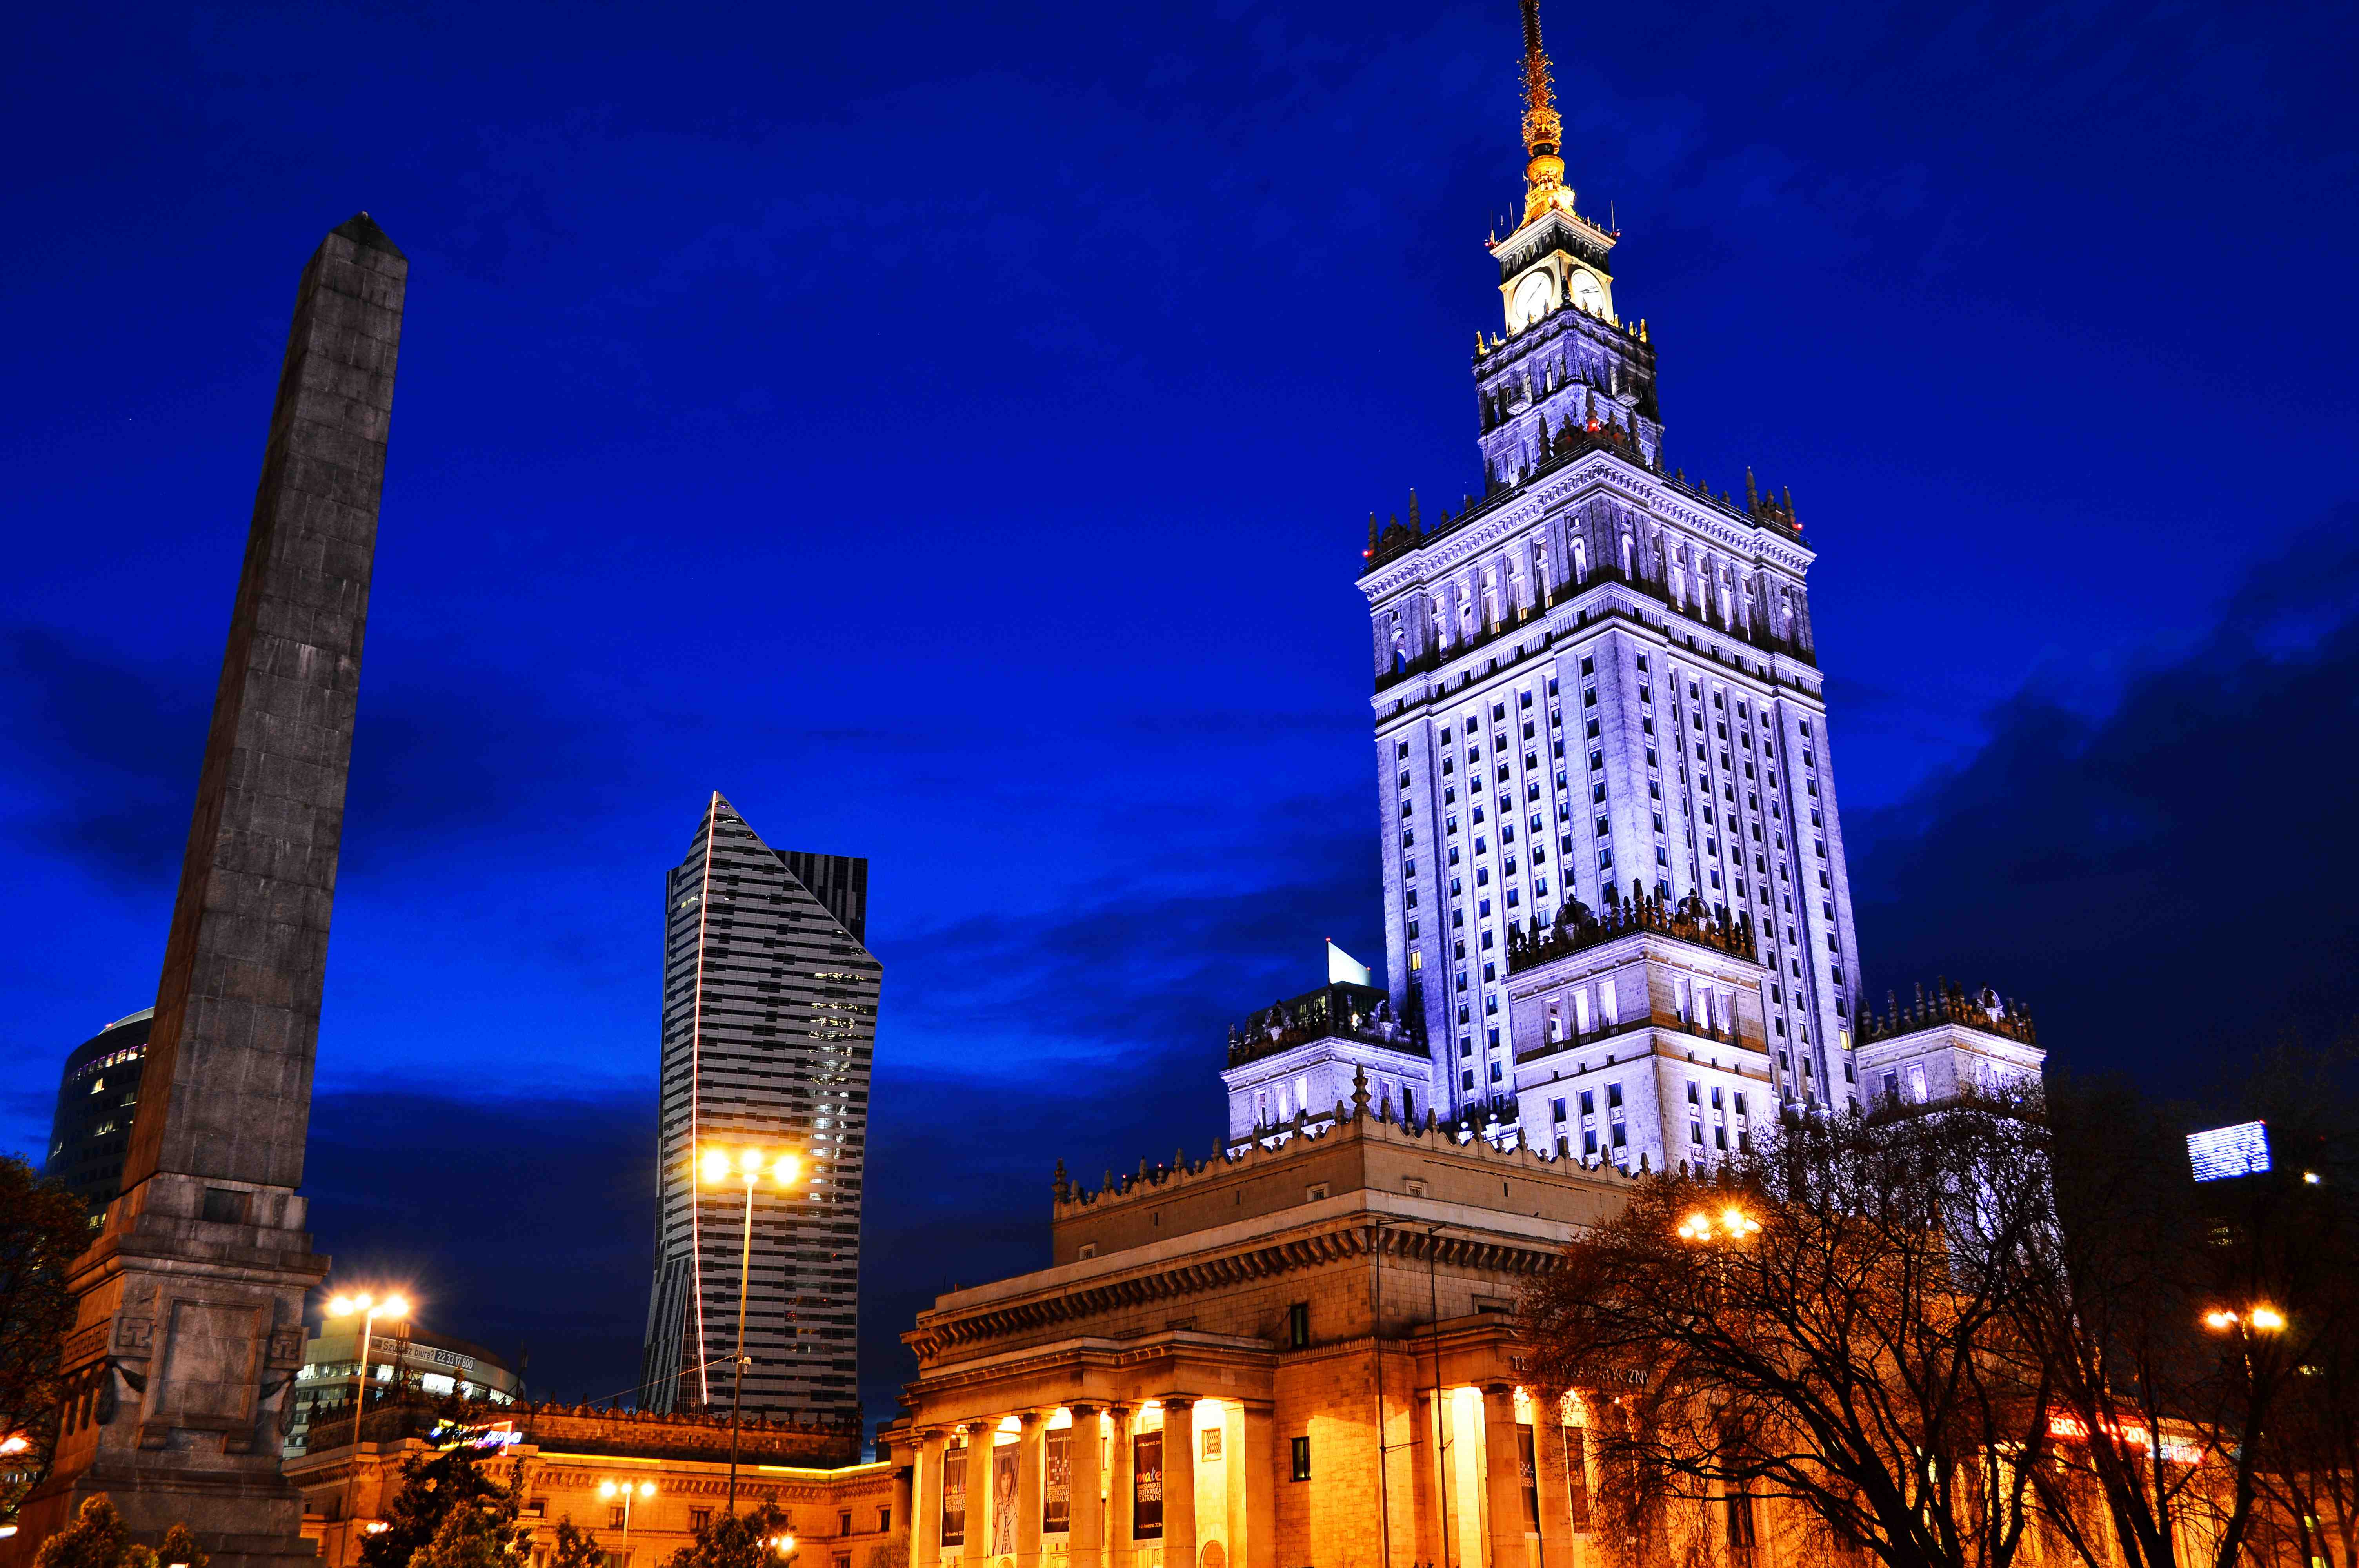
{"x": 1587, "y": 293}
{"x": 1533, "y": 297}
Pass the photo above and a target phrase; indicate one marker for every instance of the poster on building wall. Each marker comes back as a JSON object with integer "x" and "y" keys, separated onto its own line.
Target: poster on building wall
{"x": 954, "y": 1498}
{"x": 1147, "y": 1486}
{"x": 1003, "y": 1502}
{"x": 1057, "y": 1497}
{"x": 1528, "y": 1468}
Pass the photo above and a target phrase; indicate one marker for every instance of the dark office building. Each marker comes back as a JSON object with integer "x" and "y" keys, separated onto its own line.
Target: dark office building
{"x": 770, "y": 1019}
{"x": 96, "y": 1100}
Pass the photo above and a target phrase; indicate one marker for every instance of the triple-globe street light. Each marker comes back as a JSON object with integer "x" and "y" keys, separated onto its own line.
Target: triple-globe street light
{"x": 719, "y": 1168}
{"x": 1731, "y": 1224}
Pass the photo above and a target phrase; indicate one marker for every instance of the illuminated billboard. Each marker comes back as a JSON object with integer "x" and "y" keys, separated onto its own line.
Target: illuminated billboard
{"x": 2224, "y": 1152}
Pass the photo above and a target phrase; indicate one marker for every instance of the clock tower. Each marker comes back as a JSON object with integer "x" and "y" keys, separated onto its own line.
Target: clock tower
{"x": 1556, "y": 257}
{"x": 1617, "y": 898}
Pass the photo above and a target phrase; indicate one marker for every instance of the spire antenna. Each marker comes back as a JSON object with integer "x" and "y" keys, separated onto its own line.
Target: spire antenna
{"x": 1544, "y": 184}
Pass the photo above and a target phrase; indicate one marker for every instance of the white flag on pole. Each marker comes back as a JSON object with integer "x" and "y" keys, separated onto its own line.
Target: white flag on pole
{"x": 1344, "y": 969}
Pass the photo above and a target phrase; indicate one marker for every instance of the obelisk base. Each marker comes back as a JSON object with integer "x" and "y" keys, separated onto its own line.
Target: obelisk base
{"x": 180, "y": 1363}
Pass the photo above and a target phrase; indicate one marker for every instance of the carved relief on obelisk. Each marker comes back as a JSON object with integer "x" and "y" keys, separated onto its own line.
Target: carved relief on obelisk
{"x": 189, "y": 1326}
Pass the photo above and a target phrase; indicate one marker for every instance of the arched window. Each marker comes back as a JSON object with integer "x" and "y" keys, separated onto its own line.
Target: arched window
{"x": 1579, "y": 558}
{"x": 1625, "y": 552}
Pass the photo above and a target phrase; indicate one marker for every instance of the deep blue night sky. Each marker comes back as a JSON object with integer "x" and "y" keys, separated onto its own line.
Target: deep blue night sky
{"x": 949, "y": 431}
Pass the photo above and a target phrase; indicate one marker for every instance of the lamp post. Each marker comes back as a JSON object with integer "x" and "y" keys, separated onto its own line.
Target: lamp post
{"x": 610, "y": 1490}
{"x": 368, "y": 1310}
{"x": 1440, "y": 1449}
{"x": 718, "y": 1170}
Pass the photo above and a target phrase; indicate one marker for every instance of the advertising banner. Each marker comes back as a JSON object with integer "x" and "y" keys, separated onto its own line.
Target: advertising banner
{"x": 1147, "y": 1486}
{"x": 1003, "y": 1502}
{"x": 1057, "y": 1502}
{"x": 954, "y": 1498}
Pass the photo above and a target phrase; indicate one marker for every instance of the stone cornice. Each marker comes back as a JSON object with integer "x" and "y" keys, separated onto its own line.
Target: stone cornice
{"x": 1400, "y": 1058}
{"x": 1647, "y": 490}
{"x": 1353, "y": 1238}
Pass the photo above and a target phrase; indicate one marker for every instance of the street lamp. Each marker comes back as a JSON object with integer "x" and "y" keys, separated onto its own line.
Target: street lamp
{"x": 718, "y": 1170}
{"x": 610, "y": 1490}
{"x": 784, "y": 1545}
{"x": 1731, "y": 1224}
{"x": 368, "y": 1309}
{"x": 2259, "y": 1318}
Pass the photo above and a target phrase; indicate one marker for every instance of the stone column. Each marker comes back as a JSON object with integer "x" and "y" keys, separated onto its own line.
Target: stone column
{"x": 981, "y": 1437}
{"x": 1031, "y": 1488}
{"x": 1231, "y": 1419}
{"x": 1179, "y": 1481}
{"x": 1259, "y": 1460}
{"x": 1503, "y": 1477}
{"x": 1085, "y": 1547}
{"x": 1122, "y": 1544}
{"x": 925, "y": 1524}
{"x": 1555, "y": 1493}
{"x": 189, "y": 1304}
{"x": 1425, "y": 1476}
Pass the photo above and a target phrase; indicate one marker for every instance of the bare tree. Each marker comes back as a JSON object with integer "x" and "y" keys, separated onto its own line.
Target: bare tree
{"x": 2307, "y": 1470}
{"x": 2172, "y": 1318}
{"x": 1819, "y": 1324}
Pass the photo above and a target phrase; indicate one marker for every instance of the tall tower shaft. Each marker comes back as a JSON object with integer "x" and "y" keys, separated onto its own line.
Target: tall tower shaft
{"x": 1598, "y": 680}
{"x": 769, "y": 1023}
{"x": 189, "y": 1310}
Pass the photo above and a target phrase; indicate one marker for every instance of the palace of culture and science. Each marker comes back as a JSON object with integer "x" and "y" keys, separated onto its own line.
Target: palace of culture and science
{"x": 1604, "y": 783}
{"x": 1619, "y": 939}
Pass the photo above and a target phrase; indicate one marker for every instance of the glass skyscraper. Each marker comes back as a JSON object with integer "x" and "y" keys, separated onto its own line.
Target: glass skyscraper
{"x": 769, "y": 1022}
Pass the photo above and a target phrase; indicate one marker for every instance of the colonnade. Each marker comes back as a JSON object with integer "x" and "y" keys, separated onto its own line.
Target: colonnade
{"x": 1206, "y": 1503}
{"x": 1496, "y": 1473}
{"x": 1486, "y": 1475}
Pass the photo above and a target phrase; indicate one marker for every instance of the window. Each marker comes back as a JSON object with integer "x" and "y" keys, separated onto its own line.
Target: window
{"x": 1301, "y": 1450}
{"x": 699, "y": 1519}
{"x": 844, "y": 1522}
{"x": 1556, "y": 1107}
{"x": 1298, "y": 1327}
{"x": 615, "y": 1516}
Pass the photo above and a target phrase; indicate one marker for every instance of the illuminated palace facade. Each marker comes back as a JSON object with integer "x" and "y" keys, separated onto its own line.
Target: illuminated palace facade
{"x": 1597, "y": 685}
{"x": 1620, "y": 937}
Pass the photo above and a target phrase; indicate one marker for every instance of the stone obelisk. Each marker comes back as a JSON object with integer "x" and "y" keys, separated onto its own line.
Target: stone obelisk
{"x": 189, "y": 1327}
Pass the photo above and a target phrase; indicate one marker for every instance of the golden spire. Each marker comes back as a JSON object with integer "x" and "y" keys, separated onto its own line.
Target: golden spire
{"x": 1544, "y": 184}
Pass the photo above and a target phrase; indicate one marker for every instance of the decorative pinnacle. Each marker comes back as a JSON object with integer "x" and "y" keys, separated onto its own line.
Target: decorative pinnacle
{"x": 1544, "y": 184}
